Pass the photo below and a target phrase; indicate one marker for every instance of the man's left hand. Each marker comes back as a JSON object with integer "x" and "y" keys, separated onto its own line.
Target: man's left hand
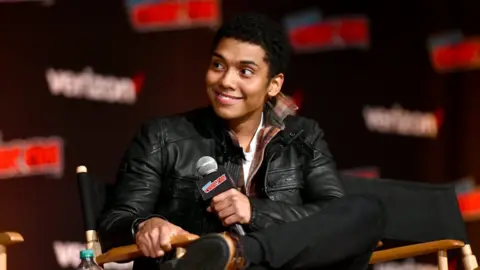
{"x": 231, "y": 207}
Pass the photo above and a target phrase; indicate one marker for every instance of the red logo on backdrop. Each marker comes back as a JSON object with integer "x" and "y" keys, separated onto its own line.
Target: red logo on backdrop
{"x": 452, "y": 51}
{"x": 33, "y": 156}
{"x": 307, "y": 31}
{"x": 148, "y": 15}
{"x": 212, "y": 185}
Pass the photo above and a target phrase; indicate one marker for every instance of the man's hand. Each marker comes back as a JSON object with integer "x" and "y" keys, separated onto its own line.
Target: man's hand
{"x": 154, "y": 235}
{"x": 231, "y": 207}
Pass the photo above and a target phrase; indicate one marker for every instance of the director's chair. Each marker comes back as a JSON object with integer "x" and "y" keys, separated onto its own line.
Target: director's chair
{"x": 401, "y": 200}
{"x": 422, "y": 219}
{"x": 7, "y": 239}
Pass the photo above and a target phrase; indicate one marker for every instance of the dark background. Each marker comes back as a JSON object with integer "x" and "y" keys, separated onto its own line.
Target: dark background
{"x": 337, "y": 86}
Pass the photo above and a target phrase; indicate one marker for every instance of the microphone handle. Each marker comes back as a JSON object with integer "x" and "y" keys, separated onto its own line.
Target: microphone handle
{"x": 239, "y": 229}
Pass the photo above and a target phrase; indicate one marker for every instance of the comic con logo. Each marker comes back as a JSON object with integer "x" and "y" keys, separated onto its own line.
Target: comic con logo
{"x": 92, "y": 86}
{"x": 33, "y": 156}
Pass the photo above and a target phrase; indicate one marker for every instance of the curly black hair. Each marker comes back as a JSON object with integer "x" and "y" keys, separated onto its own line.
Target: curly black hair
{"x": 260, "y": 30}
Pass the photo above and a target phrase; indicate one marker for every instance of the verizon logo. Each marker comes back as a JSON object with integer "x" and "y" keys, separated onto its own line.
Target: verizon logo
{"x": 68, "y": 256}
{"x": 397, "y": 120}
{"x": 89, "y": 85}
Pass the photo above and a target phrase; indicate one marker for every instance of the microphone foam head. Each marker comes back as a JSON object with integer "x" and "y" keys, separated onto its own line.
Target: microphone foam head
{"x": 206, "y": 165}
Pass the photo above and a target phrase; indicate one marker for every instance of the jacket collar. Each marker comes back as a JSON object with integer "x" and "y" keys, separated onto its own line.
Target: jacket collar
{"x": 276, "y": 114}
{"x": 278, "y": 109}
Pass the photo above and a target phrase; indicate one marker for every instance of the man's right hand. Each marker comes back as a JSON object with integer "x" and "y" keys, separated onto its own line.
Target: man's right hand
{"x": 154, "y": 235}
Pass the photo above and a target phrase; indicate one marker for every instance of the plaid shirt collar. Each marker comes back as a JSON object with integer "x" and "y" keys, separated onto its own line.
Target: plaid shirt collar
{"x": 275, "y": 113}
{"x": 279, "y": 109}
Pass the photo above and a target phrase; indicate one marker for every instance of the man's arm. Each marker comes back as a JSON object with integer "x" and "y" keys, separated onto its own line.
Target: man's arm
{"x": 136, "y": 190}
{"x": 322, "y": 185}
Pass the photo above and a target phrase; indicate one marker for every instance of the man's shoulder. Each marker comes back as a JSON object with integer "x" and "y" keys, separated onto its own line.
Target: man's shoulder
{"x": 309, "y": 126}
{"x": 178, "y": 125}
{"x": 312, "y": 134}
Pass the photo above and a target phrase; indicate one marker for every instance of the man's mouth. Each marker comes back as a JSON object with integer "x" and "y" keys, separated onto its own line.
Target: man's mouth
{"x": 225, "y": 96}
{"x": 225, "y": 99}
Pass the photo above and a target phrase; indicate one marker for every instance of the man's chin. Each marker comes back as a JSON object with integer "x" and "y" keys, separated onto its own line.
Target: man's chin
{"x": 226, "y": 113}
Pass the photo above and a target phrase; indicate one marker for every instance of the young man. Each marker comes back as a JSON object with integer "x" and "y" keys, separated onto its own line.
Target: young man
{"x": 284, "y": 173}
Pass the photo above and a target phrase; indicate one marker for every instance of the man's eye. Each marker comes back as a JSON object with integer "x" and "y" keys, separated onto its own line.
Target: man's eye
{"x": 246, "y": 72}
{"x": 217, "y": 65}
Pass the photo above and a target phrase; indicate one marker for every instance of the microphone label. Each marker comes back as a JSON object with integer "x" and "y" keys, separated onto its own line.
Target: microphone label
{"x": 215, "y": 183}
{"x": 212, "y": 185}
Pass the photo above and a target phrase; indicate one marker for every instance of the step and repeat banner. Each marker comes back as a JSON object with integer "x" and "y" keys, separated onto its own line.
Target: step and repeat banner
{"x": 395, "y": 88}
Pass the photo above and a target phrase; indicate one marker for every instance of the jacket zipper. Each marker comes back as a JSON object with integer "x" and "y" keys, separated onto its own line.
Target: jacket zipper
{"x": 266, "y": 172}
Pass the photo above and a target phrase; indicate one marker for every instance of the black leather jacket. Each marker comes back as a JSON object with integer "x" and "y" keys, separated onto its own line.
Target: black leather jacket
{"x": 157, "y": 176}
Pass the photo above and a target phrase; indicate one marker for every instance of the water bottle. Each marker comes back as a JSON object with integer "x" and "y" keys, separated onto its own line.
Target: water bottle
{"x": 88, "y": 262}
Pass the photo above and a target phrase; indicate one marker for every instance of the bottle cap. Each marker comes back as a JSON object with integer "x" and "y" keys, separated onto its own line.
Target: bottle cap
{"x": 86, "y": 253}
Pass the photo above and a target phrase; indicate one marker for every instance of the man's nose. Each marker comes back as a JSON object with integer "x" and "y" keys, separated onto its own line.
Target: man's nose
{"x": 228, "y": 80}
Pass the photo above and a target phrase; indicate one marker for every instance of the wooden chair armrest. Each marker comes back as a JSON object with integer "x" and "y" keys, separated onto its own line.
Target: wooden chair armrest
{"x": 414, "y": 250}
{"x": 130, "y": 252}
{"x": 9, "y": 238}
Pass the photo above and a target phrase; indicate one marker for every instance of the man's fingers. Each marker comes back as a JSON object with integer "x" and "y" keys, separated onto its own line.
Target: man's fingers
{"x": 143, "y": 242}
{"x": 144, "y": 249}
{"x": 231, "y": 220}
{"x": 166, "y": 247}
{"x": 154, "y": 239}
{"x": 222, "y": 196}
{"x": 217, "y": 207}
{"x": 154, "y": 236}
{"x": 159, "y": 253}
{"x": 226, "y": 212}
{"x": 165, "y": 239}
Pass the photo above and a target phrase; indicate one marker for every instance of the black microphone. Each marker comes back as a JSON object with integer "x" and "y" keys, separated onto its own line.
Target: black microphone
{"x": 214, "y": 181}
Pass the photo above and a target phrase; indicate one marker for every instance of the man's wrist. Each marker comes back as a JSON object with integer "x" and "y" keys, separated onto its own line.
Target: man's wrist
{"x": 139, "y": 220}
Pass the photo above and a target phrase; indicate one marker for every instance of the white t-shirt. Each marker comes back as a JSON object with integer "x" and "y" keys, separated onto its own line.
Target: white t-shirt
{"x": 250, "y": 154}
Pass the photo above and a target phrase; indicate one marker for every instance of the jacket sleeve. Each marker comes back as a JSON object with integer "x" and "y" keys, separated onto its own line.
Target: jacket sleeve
{"x": 322, "y": 185}
{"x": 136, "y": 189}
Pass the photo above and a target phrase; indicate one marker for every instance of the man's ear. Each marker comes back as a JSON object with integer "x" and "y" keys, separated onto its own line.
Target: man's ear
{"x": 275, "y": 85}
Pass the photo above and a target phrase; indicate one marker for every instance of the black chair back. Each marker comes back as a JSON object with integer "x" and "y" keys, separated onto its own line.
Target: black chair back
{"x": 416, "y": 212}
{"x": 93, "y": 196}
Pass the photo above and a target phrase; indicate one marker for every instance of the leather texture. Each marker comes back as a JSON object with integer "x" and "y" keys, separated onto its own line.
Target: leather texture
{"x": 157, "y": 176}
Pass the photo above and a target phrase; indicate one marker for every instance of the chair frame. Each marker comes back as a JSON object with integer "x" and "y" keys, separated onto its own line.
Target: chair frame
{"x": 440, "y": 247}
{"x": 7, "y": 239}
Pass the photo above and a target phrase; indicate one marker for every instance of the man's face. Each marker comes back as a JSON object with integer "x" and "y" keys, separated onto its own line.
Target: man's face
{"x": 237, "y": 79}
